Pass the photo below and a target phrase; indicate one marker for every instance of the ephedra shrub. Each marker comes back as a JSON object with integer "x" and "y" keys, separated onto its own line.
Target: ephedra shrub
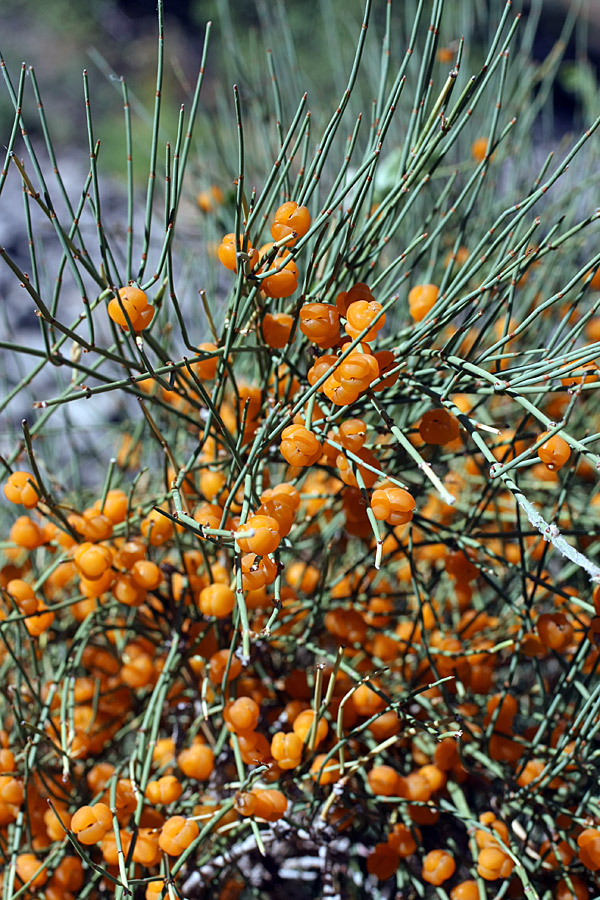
{"x": 300, "y": 582}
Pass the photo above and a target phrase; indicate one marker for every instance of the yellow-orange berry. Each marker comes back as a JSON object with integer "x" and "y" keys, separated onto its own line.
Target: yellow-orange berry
{"x": 22, "y": 488}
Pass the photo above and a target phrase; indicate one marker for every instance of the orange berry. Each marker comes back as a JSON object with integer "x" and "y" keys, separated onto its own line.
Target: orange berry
{"x": 299, "y": 446}
{"x": 357, "y": 371}
{"x": 383, "y": 780}
{"x": 479, "y": 149}
{"x": 23, "y": 595}
{"x": 177, "y": 834}
{"x": 290, "y": 218}
{"x": 366, "y": 701}
{"x": 303, "y": 577}
{"x": 22, "y": 488}
{"x": 257, "y": 571}
{"x": 41, "y": 621}
{"x": 132, "y": 302}
{"x": 579, "y": 889}
{"x": 589, "y": 848}
{"x": 155, "y": 890}
{"x": 324, "y": 772}
{"x": 284, "y": 280}
{"x": 266, "y": 538}
{"x": 92, "y": 560}
{"x": 276, "y": 329}
{"x": 228, "y": 250}
{"x": 421, "y": 300}
{"x": 459, "y": 566}
{"x": 11, "y": 790}
{"x": 402, "y": 840}
{"x": 115, "y": 506}
{"x": 438, "y": 426}
{"x": 217, "y": 600}
{"x": 156, "y": 528}
{"x": 165, "y": 790}
{"x": 508, "y": 710}
{"x": 393, "y": 505}
{"x": 493, "y": 863}
{"x": 303, "y": 724}
{"x": 554, "y": 452}
{"x": 556, "y": 859}
{"x": 434, "y": 775}
{"x": 217, "y": 666}
{"x": 383, "y": 861}
{"x": 466, "y": 890}
{"x": 197, "y": 761}
{"x": 352, "y": 434}
{"x": 27, "y": 864}
{"x": 555, "y": 631}
{"x": 347, "y": 625}
{"x": 438, "y": 866}
{"x": 146, "y": 574}
{"x": 360, "y": 315}
{"x": 347, "y": 468}
{"x": 26, "y": 533}
{"x": 320, "y": 322}
{"x": 91, "y": 823}
{"x": 206, "y": 369}
{"x": 242, "y": 715}
{"x": 146, "y": 851}
{"x": 69, "y": 874}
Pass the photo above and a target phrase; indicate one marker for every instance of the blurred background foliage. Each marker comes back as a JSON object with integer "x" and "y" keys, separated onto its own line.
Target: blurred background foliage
{"x": 112, "y": 39}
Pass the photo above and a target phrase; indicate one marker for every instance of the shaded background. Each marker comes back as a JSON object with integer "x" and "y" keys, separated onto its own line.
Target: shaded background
{"x": 62, "y": 37}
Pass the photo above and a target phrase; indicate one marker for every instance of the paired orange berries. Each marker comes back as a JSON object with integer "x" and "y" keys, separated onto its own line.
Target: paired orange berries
{"x": 132, "y": 304}
{"x": 165, "y": 790}
{"x": 92, "y": 560}
{"x": 362, "y": 314}
{"x": 393, "y": 505}
{"x": 28, "y": 604}
{"x": 438, "y": 867}
{"x": 280, "y": 503}
{"x": 26, "y": 533}
{"x": 197, "y": 761}
{"x": 242, "y": 715}
{"x": 493, "y": 862}
{"x": 351, "y": 377}
{"x": 267, "y": 804}
{"x": 554, "y": 452}
{"x": 257, "y": 571}
{"x": 91, "y": 823}
{"x": 299, "y": 446}
{"x": 22, "y": 489}
{"x": 421, "y": 300}
{"x": 177, "y": 834}
{"x": 286, "y": 750}
{"x": 217, "y": 600}
{"x": 290, "y": 219}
